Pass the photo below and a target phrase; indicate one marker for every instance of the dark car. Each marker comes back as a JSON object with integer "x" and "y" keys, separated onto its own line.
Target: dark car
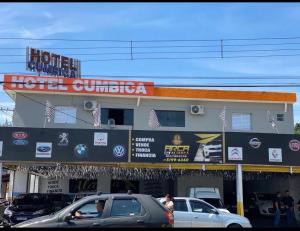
{"x": 120, "y": 210}
{"x": 31, "y": 205}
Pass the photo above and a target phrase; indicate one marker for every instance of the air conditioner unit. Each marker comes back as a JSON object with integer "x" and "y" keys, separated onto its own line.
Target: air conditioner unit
{"x": 89, "y": 105}
{"x": 197, "y": 109}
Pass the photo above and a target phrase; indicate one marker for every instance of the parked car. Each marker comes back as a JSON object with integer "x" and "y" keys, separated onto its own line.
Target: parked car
{"x": 210, "y": 195}
{"x": 31, "y": 205}
{"x": 261, "y": 203}
{"x": 192, "y": 212}
{"x": 120, "y": 210}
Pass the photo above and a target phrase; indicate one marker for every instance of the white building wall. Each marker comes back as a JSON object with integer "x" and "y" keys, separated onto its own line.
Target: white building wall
{"x": 103, "y": 184}
{"x": 20, "y": 183}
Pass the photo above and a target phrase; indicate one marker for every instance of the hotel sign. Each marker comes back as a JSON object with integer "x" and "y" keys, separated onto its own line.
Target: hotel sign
{"x": 77, "y": 86}
{"x": 52, "y": 64}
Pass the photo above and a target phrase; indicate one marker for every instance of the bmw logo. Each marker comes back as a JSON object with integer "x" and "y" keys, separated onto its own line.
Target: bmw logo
{"x": 81, "y": 150}
{"x": 119, "y": 150}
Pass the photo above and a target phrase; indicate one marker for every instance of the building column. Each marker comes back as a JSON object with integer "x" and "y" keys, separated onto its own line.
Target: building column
{"x": 1, "y": 180}
{"x": 239, "y": 190}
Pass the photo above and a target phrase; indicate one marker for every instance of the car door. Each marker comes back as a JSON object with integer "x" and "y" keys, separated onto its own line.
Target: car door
{"x": 203, "y": 215}
{"x": 182, "y": 216}
{"x": 88, "y": 216}
{"x": 126, "y": 212}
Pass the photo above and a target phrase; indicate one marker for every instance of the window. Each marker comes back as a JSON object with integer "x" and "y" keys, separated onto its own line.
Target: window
{"x": 121, "y": 116}
{"x": 126, "y": 207}
{"x": 89, "y": 210}
{"x": 65, "y": 115}
{"x": 180, "y": 205}
{"x": 241, "y": 121}
{"x": 171, "y": 118}
{"x": 280, "y": 117}
{"x": 200, "y": 207}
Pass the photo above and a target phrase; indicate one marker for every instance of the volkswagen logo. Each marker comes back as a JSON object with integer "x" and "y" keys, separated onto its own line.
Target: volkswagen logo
{"x": 255, "y": 143}
{"x": 119, "y": 150}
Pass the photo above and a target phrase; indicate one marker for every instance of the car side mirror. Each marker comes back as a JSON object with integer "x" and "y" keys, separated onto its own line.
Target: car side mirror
{"x": 68, "y": 218}
{"x": 215, "y": 211}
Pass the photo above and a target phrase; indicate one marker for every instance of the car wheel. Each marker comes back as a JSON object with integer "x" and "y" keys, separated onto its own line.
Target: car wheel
{"x": 234, "y": 226}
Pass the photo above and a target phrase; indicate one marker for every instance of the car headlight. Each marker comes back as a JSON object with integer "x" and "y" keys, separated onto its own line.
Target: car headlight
{"x": 39, "y": 212}
{"x": 8, "y": 212}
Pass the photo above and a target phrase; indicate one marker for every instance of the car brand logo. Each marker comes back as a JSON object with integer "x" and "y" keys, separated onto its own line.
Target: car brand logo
{"x": 20, "y": 135}
{"x": 81, "y": 150}
{"x": 255, "y": 143}
{"x": 119, "y": 150}
{"x": 235, "y": 153}
{"x": 294, "y": 145}
{"x": 43, "y": 148}
{"x": 63, "y": 139}
{"x": 20, "y": 142}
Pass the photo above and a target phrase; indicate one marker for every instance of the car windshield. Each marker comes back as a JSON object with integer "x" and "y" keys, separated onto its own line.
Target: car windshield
{"x": 265, "y": 196}
{"x": 214, "y": 202}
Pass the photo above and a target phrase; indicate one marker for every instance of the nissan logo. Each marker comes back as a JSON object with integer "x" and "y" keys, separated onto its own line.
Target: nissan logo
{"x": 255, "y": 143}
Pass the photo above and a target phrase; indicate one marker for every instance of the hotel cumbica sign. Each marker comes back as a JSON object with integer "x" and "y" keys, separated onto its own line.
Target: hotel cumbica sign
{"x": 77, "y": 86}
{"x": 52, "y": 64}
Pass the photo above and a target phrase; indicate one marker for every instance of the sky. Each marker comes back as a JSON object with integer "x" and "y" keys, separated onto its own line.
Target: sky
{"x": 140, "y": 22}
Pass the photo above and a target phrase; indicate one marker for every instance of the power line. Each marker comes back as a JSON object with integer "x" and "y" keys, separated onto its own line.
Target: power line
{"x": 168, "y": 52}
{"x": 148, "y": 41}
{"x": 170, "y": 85}
{"x": 173, "y": 58}
{"x": 171, "y": 76}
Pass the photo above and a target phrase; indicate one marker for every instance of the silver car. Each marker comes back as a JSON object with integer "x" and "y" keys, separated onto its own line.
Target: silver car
{"x": 192, "y": 212}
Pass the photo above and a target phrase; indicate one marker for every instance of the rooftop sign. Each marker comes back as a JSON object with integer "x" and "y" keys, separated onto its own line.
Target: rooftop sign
{"x": 52, "y": 64}
{"x": 81, "y": 86}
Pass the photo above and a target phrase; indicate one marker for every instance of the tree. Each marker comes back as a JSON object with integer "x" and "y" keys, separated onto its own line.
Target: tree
{"x": 297, "y": 128}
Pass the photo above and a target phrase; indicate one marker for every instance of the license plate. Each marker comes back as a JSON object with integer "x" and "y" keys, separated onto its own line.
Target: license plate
{"x": 21, "y": 218}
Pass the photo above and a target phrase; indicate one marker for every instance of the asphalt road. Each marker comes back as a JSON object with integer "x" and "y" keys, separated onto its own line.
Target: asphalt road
{"x": 267, "y": 222}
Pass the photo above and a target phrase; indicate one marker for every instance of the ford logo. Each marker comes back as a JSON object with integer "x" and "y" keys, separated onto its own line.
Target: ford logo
{"x": 255, "y": 143}
{"x": 20, "y": 135}
{"x": 43, "y": 149}
{"x": 20, "y": 142}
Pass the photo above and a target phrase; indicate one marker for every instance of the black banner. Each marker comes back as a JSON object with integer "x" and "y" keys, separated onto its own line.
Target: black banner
{"x": 263, "y": 149}
{"x": 68, "y": 145}
{"x": 176, "y": 147}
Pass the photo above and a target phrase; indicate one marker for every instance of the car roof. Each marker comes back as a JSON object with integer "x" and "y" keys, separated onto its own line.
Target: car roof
{"x": 178, "y": 198}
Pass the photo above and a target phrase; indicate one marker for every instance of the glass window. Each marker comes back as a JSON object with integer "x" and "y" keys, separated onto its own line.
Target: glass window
{"x": 241, "y": 121}
{"x": 280, "y": 117}
{"x": 126, "y": 207}
{"x": 180, "y": 205}
{"x": 90, "y": 210}
{"x": 65, "y": 115}
{"x": 121, "y": 116}
{"x": 200, "y": 207}
{"x": 171, "y": 118}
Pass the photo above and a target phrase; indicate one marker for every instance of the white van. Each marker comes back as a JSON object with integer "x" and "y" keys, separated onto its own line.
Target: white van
{"x": 210, "y": 195}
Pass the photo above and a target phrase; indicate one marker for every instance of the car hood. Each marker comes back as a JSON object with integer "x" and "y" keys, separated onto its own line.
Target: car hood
{"x": 34, "y": 221}
{"x": 222, "y": 210}
{"x": 232, "y": 216}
